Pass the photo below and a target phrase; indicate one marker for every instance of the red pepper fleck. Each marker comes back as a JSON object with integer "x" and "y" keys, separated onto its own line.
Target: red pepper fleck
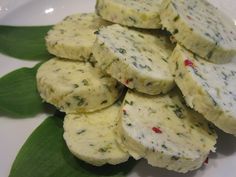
{"x": 128, "y": 81}
{"x": 206, "y": 161}
{"x": 156, "y": 130}
{"x": 124, "y": 112}
{"x": 190, "y": 18}
{"x": 188, "y": 62}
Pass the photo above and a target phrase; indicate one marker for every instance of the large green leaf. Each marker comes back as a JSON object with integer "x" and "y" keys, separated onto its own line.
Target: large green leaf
{"x": 45, "y": 155}
{"x": 18, "y": 93}
{"x": 24, "y": 42}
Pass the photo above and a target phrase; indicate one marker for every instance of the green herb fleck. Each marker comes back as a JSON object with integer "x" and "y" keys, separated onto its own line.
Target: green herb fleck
{"x": 140, "y": 35}
{"x": 80, "y": 100}
{"x": 176, "y": 66}
{"x": 129, "y": 103}
{"x": 149, "y": 84}
{"x": 96, "y": 32}
{"x": 209, "y": 55}
{"x": 104, "y": 102}
{"x": 177, "y": 110}
{"x": 102, "y": 150}
{"x": 121, "y": 50}
{"x": 133, "y": 20}
{"x": 164, "y": 146}
{"x": 76, "y": 85}
{"x": 129, "y": 124}
{"x": 145, "y": 67}
{"x": 164, "y": 59}
{"x": 175, "y": 31}
{"x": 181, "y": 75}
{"x": 174, "y": 158}
{"x": 81, "y": 131}
{"x": 85, "y": 82}
{"x": 176, "y": 18}
{"x": 179, "y": 134}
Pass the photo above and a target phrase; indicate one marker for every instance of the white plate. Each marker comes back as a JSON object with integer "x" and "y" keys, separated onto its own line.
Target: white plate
{"x": 14, "y": 132}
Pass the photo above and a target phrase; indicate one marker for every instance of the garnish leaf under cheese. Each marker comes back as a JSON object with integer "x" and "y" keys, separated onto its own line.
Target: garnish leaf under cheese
{"x": 45, "y": 154}
{"x": 18, "y": 93}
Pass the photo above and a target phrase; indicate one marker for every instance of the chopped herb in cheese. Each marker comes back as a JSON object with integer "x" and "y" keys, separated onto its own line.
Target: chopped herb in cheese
{"x": 140, "y": 14}
{"x": 164, "y": 131}
{"x": 74, "y": 86}
{"x": 208, "y": 88}
{"x": 91, "y": 136}
{"x": 136, "y": 59}
{"x": 201, "y": 28}
{"x": 73, "y": 37}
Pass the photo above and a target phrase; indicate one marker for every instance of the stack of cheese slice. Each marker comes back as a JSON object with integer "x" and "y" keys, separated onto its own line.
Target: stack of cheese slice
{"x": 75, "y": 85}
{"x": 97, "y": 59}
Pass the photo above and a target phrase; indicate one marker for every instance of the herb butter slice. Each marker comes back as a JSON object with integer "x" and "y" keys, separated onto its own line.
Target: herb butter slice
{"x": 208, "y": 88}
{"x": 201, "y": 28}
{"x": 73, "y": 37}
{"x": 75, "y": 86}
{"x": 133, "y": 13}
{"x": 164, "y": 131}
{"x": 136, "y": 59}
{"x": 91, "y": 137}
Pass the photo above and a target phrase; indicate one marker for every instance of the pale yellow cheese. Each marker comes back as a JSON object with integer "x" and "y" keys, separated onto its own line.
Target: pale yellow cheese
{"x": 74, "y": 86}
{"x": 200, "y": 27}
{"x": 137, "y": 59}
{"x": 73, "y": 37}
{"x": 91, "y": 137}
{"x": 164, "y": 131}
{"x": 134, "y": 13}
{"x": 208, "y": 88}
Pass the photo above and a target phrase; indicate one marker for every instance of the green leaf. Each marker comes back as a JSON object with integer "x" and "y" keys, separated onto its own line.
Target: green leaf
{"x": 24, "y": 42}
{"x": 18, "y": 93}
{"x": 45, "y": 154}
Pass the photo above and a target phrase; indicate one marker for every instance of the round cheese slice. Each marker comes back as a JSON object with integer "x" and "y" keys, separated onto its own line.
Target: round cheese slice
{"x": 201, "y": 28}
{"x": 164, "y": 131}
{"x": 136, "y": 59}
{"x": 74, "y": 86}
{"x": 208, "y": 88}
{"x": 73, "y": 38}
{"x": 140, "y": 14}
{"x": 91, "y": 136}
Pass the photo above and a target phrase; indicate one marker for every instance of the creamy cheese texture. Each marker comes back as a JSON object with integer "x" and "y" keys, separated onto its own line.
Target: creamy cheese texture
{"x": 134, "y": 13}
{"x": 73, "y": 37}
{"x": 208, "y": 88}
{"x": 164, "y": 131}
{"x": 137, "y": 59}
{"x": 74, "y": 86}
{"x": 91, "y": 137}
{"x": 201, "y": 28}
